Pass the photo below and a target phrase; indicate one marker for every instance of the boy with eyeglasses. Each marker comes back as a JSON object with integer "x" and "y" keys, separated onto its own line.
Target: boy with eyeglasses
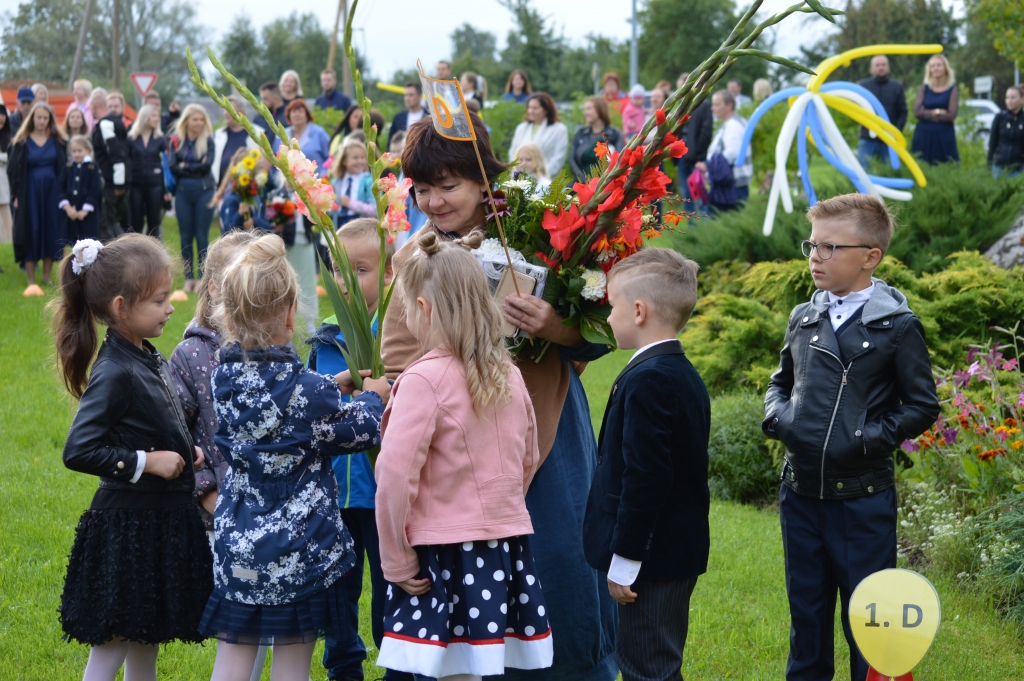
{"x": 854, "y": 381}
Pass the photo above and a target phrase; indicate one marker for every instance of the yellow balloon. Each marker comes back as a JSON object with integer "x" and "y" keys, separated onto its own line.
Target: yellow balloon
{"x": 826, "y": 67}
{"x": 894, "y": 615}
{"x": 859, "y": 114}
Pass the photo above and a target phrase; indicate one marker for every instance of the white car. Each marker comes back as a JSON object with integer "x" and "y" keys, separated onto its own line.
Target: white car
{"x": 979, "y": 114}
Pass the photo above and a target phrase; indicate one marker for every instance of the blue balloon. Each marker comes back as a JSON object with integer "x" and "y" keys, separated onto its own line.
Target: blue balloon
{"x": 758, "y": 113}
{"x": 801, "y": 158}
{"x": 891, "y": 182}
{"x": 818, "y": 134}
{"x": 894, "y": 158}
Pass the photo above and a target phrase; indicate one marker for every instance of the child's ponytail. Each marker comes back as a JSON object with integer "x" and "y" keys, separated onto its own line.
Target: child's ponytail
{"x": 74, "y": 329}
{"x": 91, "y": 276}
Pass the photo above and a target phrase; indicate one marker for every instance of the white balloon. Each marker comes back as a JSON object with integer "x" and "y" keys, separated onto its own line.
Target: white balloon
{"x": 780, "y": 183}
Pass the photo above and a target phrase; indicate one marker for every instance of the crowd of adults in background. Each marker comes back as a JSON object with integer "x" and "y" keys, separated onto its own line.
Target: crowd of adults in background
{"x": 168, "y": 159}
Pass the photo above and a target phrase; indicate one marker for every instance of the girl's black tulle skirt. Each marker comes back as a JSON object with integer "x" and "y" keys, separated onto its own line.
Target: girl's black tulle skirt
{"x": 322, "y": 615}
{"x": 140, "y": 570}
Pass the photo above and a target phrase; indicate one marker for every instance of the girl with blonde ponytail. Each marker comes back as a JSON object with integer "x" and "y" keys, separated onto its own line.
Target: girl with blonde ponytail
{"x": 459, "y": 451}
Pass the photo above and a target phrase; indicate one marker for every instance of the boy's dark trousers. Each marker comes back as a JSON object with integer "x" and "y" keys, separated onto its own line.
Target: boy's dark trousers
{"x": 114, "y": 213}
{"x": 652, "y": 630}
{"x": 344, "y": 659}
{"x": 830, "y": 545}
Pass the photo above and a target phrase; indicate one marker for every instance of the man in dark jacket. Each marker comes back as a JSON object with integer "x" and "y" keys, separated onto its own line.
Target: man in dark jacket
{"x": 646, "y": 523}
{"x": 854, "y": 381}
{"x": 270, "y": 95}
{"x": 331, "y": 98}
{"x": 1006, "y": 139}
{"x": 26, "y": 98}
{"x": 413, "y": 113}
{"x": 697, "y": 134}
{"x": 894, "y": 100}
{"x": 110, "y": 145}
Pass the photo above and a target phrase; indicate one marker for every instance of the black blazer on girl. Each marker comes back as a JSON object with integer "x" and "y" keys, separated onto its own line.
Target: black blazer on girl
{"x": 80, "y": 184}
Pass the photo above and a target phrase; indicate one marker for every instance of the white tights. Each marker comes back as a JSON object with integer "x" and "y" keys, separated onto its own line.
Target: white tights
{"x": 139, "y": 660}
{"x": 235, "y": 662}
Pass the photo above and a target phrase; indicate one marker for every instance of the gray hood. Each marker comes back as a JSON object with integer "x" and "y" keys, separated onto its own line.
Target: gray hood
{"x": 886, "y": 301}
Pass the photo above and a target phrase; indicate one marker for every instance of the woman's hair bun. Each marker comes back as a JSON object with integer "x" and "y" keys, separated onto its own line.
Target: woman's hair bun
{"x": 471, "y": 241}
{"x": 429, "y": 243}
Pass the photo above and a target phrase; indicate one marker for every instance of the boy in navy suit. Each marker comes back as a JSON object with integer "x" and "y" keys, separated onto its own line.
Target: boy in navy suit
{"x": 854, "y": 380}
{"x": 647, "y": 516}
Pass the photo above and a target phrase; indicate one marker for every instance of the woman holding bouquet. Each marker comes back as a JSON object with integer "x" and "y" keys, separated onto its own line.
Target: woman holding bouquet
{"x": 448, "y": 188}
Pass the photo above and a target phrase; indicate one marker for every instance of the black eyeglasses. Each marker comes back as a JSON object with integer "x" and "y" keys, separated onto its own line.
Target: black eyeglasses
{"x": 825, "y": 251}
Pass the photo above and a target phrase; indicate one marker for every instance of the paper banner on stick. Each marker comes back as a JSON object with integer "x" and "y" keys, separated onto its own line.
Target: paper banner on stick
{"x": 447, "y": 107}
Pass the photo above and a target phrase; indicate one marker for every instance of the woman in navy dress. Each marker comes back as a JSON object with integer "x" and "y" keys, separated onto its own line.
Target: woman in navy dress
{"x": 38, "y": 155}
{"x": 935, "y": 108}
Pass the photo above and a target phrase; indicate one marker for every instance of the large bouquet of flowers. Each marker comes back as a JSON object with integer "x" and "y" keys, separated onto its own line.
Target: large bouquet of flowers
{"x": 550, "y": 228}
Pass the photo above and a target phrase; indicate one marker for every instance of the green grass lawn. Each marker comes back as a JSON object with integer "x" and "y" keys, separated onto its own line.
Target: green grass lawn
{"x": 739, "y": 618}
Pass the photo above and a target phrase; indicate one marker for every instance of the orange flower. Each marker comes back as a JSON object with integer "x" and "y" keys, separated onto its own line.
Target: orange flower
{"x": 601, "y": 150}
{"x": 672, "y": 218}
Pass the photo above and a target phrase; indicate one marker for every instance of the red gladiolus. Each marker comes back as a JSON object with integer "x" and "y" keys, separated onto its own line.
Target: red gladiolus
{"x": 659, "y": 116}
{"x": 614, "y": 199}
{"x": 677, "y": 149}
{"x": 562, "y": 227}
{"x": 653, "y": 184}
{"x": 585, "y": 192}
{"x": 553, "y": 264}
{"x": 632, "y": 221}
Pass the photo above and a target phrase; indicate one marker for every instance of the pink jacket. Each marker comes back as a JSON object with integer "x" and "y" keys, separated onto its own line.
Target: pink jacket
{"x": 446, "y": 474}
{"x": 633, "y": 119}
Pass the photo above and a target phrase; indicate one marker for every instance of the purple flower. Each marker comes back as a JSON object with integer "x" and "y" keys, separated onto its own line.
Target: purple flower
{"x": 961, "y": 378}
{"x": 974, "y": 369}
{"x": 949, "y": 435}
{"x": 971, "y": 354}
{"x": 1020, "y": 400}
{"x": 911, "y": 446}
{"x": 1009, "y": 365}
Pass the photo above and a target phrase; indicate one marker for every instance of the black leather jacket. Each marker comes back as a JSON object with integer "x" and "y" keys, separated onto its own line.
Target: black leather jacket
{"x": 1006, "y": 140}
{"x": 841, "y": 406}
{"x": 129, "y": 405}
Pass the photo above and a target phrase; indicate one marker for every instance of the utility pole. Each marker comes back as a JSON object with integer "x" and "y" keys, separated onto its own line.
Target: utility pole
{"x": 80, "y": 50}
{"x": 334, "y": 36}
{"x": 115, "y": 46}
{"x": 634, "y": 69}
{"x": 346, "y": 71}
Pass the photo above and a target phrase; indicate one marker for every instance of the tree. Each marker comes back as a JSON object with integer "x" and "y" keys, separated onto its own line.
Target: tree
{"x": 154, "y": 34}
{"x": 296, "y": 42}
{"x": 677, "y": 35}
{"x": 876, "y": 22}
{"x": 978, "y": 56}
{"x": 1005, "y": 19}
{"x": 240, "y": 52}
{"x": 535, "y": 48}
{"x": 474, "y": 50}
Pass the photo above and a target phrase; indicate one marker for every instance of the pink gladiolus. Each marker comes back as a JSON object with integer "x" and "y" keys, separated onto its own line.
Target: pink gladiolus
{"x": 397, "y": 192}
{"x": 395, "y": 220}
{"x": 301, "y": 168}
{"x": 321, "y": 197}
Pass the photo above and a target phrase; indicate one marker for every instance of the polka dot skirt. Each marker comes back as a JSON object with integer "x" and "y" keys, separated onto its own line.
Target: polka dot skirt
{"x": 484, "y": 612}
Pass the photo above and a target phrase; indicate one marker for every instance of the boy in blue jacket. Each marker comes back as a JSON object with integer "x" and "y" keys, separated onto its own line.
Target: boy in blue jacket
{"x": 646, "y": 523}
{"x": 356, "y": 484}
{"x": 854, "y": 380}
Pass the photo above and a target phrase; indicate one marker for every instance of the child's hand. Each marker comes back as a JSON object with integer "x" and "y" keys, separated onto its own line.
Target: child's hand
{"x": 623, "y": 594}
{"x": 381, "y": 386}
{"x": 344, "y": 380}
{"x": 197, "y": 462}
{"x": 415, "y": 587}
{"x": 70, "y": 210}
{"x": 243, "y": 209}
{"x": 209, "y": 501}
{"x": 167, "y": 465}
{"x": 345, "y": 200}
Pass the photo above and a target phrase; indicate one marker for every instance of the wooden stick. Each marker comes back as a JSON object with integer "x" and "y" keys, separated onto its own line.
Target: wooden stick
{"x": 497, "y": 218}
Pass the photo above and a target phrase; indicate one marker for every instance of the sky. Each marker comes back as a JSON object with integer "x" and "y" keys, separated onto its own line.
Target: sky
{"x": 395, "y": 33}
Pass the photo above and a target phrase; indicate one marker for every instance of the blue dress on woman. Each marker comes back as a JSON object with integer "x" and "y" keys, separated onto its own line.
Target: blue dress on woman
{"x": 935, "y": 136}
{"x": 42, "y": 201}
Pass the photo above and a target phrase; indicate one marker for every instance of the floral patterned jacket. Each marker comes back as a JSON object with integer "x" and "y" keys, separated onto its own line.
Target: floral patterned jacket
{"x": 192, "y": 364}
{"x": 279, "y": 537}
